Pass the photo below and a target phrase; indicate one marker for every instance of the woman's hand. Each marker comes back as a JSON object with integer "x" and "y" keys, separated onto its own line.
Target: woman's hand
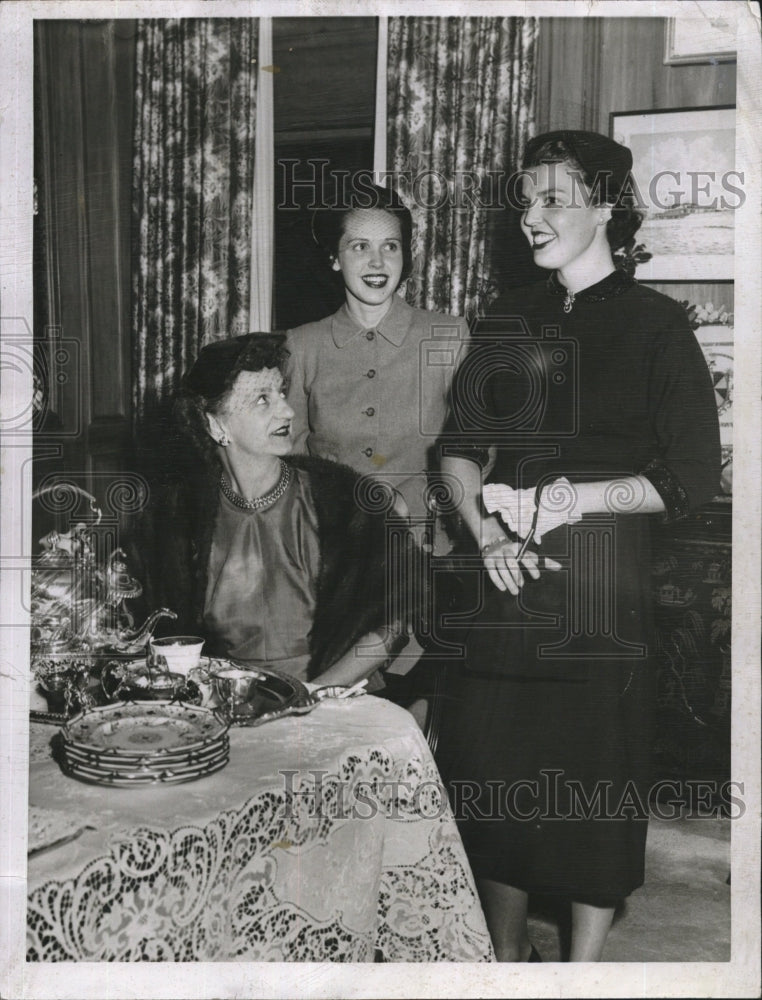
{"x": 373, "y": 652}
{"x": 558, "y": 505}
{"x": 562, "y": 502}
{"x": 498, "y": 552}
{"x": 505, "y": 570}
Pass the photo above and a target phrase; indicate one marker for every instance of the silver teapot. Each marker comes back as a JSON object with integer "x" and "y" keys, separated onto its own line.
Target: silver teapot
{"x": 78, "y": 605}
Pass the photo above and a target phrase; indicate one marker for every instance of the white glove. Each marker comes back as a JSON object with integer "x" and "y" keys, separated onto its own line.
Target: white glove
{"x": 558, "y": 501}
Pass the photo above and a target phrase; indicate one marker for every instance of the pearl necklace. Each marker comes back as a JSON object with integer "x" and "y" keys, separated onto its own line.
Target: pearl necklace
{"x": 258, "y": 502}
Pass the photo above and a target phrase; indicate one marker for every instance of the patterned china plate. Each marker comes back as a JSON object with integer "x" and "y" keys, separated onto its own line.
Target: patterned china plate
{"x": 146, "y": 776}
{"x": 148, "y": 771}
{"x": 117, "y": 779}
{"x": 145, "y": 728}
{"x": 96, "y": 758}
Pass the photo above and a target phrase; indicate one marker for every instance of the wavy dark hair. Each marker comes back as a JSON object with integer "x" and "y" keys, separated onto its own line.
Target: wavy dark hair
{"x": 206, "y": 387}
{"x": 328, "y": 223}
{"x": 626, "y": 218}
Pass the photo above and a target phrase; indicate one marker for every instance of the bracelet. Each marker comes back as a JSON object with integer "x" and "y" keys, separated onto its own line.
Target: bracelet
{"x": 494, "y": 544}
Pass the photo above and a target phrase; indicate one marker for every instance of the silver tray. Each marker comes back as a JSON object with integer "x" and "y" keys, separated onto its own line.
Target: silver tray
{"x": 273, "y": 694}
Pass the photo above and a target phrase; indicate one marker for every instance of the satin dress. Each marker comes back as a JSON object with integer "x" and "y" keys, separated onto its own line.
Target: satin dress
{"x": 263, "y": 569}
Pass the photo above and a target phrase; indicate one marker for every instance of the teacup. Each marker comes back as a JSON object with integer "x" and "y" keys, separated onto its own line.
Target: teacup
{"x": 177, "y": 654}
{"x": 236, "y": 689}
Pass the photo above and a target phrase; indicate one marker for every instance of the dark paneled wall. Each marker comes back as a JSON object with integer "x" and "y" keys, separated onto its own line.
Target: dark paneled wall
{"x": 324, "y": 109}
{"x": 84, "y": 72}
{"x": 325, "y": 80}
{"x": 591, "y": 66}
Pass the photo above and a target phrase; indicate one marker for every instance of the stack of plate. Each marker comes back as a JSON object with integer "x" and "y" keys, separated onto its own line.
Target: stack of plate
{"x": 125, "y": 745}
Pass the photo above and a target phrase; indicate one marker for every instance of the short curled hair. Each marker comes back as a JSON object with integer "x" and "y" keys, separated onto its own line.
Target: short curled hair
{"x": 328, "y": 222}
{"x": 615, "y": 190}
{"x": 207, "y": 385}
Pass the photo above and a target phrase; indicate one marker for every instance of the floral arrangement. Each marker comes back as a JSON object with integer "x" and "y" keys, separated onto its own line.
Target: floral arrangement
{"x": 707, "y": 315}
{"x": 721, "y": 602}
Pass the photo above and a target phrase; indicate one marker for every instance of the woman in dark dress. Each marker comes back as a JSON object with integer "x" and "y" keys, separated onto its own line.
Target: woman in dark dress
{"x": 589, "y": 393}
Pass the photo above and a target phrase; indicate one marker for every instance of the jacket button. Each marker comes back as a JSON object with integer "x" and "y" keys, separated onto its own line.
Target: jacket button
{"x": 369, "y": 335}
{"x": 370, "y": 411}
{"x": 368, "y": 452}
{"x": 371, "y": 373}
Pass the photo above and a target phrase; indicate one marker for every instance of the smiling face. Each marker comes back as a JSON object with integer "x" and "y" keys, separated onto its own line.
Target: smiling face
{"x": 563, "y": 229}
{"x": 370, "y": 256}
{"x": 255, "y": 415}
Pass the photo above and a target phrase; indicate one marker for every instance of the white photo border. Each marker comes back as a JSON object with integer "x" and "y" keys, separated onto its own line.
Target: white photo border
{"x": 738, "y": 978}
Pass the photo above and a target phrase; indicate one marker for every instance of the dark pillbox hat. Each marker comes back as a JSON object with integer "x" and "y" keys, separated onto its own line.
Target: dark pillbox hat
{"x": 597, "y": 154}
{"x": 219, "y": 362}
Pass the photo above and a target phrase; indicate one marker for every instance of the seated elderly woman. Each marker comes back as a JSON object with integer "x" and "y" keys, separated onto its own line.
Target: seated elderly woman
{"x": 275, "y": 560}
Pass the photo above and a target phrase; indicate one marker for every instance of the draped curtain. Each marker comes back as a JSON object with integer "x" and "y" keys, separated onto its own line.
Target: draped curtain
{"x": 460, "y": 108}
{"x": 194, "y": 139}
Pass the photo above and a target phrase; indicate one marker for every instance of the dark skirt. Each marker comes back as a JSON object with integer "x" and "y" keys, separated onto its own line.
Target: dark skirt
{"x": 545, "y": 737}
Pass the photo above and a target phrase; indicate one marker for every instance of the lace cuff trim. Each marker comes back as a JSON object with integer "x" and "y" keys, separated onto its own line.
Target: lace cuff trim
{"x": 669, "y": 488}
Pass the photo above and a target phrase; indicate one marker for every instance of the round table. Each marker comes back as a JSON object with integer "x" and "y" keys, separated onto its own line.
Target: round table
{"x": 327, "y": 837}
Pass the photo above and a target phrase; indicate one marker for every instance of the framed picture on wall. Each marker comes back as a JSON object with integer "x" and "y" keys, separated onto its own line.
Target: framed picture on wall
{"x": 687, "y": 187}
{"x": 699, "y": 40}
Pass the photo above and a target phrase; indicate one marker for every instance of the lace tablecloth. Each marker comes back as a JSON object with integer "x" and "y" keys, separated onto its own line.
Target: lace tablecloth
{"x": 327, "y": 837}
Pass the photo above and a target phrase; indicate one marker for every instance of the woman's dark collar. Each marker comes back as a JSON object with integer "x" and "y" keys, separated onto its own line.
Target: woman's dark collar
{"x": 609, "y": 287}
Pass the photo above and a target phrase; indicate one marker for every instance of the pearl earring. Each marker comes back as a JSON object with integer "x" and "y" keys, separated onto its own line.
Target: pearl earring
{"x": 224, "y": 440}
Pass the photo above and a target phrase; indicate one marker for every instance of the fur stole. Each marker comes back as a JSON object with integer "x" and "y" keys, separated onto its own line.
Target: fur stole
{"x": 367, "y": 557}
